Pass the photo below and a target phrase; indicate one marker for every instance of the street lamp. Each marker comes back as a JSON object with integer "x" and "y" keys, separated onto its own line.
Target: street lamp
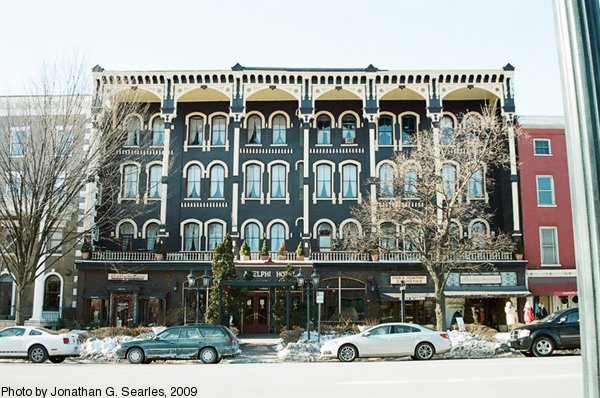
{"x": 192, "y": 284}
{"x": 313, "y": 282}
{"x": 402, "y": 300}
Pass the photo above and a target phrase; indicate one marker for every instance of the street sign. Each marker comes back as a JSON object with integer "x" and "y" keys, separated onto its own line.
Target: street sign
{"x": 320, "y": 297}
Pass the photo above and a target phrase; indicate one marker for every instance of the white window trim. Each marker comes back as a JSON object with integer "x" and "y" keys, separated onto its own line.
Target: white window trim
{"x": 398, "y": 143}
{"x": 287, "y": 181}
{"x": 62, "y": 286}
{"x": 58, "y": 251}
{"x": 456, "y": 174}
{"x": 185, "y": 171}
{"x": 120, "y": 197}
{"x": 210, "y": 131}
{"x": 454, "y": 121}
{"x": 485, "y": 196}
{"x": 394, "y": 119}
{"x": 146, "y": 224}
{"x": 537, "y": 190}
{"x": 356, "y": 115}
{"x": 315, "y": 196}
{"x": 341, "y": 198}
{"x": 225, "y": 176}
{"x": 141, "y": 121}
{"x": 151, "y": 124}
{"x": 350, "y": 221}
{"x": 182, "y": 231}
{"x": 261, "y": 197}
{"x": 280, "y": 221}
{"x": 331, "y": 118}
{"x": 252, "y": 221}
{"x": 263, "y": 123}
{"x": 288, "y": 123}
{"x": 475, "y": 220}
{"x": 549, "y": 147}
{"x": 123, "y": 221}
{"x": 147, "y": 197}
{"x": 326, "y": 221}
{"x": 202, "y": 144}
{"x": 207, "y": 224}
{"x": 541, "y": 247}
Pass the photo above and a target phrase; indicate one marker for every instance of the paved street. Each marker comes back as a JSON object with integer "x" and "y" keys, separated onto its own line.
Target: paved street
{"x": 547, "y": 377}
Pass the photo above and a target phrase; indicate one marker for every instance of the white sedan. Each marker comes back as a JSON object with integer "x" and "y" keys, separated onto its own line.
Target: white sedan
{"x": 389, "y": 340}
{"x": 37, "y": 344}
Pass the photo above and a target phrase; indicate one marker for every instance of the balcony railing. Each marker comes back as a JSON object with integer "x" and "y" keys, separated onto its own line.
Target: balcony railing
{"x": 51, "y": 316}
{"x": 331, "y": 256}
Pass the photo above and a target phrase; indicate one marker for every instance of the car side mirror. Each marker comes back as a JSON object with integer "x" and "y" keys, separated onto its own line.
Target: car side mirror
{"x": 366, "y": 334}
{"x": 562, "y": 320}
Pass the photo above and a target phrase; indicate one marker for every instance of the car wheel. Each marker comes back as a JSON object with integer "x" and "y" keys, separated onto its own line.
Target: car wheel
{"x": 209, "y": 355}
{"x": 56, "y": 359}
{"x": 424, "y": 351}
{"x": 135, "y": 355}
{"x": 38, "y": 354}
{"x": 347, "y": 353}
{"x": 543, "y": 346}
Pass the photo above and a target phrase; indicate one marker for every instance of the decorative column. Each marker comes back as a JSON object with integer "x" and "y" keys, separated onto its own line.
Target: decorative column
{"x": 434, "y": 113}
{"x": 306, "y": 116}
{"x": 508, "y": 111}
{"x": 168, "y": 113}
{"x": 236, "y": 115}
{"x": 370, "y": 112}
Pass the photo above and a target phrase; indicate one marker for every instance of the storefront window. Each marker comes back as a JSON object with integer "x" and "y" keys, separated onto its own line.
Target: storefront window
{"x": 344, "y": 299}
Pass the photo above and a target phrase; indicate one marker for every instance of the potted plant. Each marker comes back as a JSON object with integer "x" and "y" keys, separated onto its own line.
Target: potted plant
{"x": 264, "y": 252}
{"x": 159, "y": 250}
{"x": 245, "y": 252}
{"x": 281, "y": 252}
{"x": 519, "y": 250}
{"x": 374, "y": 251}
{"x": 86, "y": 249}
{"x": 300, "y": 252}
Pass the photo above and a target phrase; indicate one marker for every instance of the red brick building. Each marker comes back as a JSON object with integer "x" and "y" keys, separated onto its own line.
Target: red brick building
{"x": 547, "y": 220}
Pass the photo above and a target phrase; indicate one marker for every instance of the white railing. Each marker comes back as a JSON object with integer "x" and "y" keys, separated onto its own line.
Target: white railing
{"x": 487, "y": 255}
{"x": 51, "y": 316}
{"x": 339, "y": 256}
{"x": 122, "y": 256}
{"x": 398, "y": 256}
{"x": 189, "y": 256}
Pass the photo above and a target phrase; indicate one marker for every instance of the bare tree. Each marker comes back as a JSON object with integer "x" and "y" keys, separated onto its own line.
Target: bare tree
{"x": 52, "y": 150}
{"x": 428, "y": 194}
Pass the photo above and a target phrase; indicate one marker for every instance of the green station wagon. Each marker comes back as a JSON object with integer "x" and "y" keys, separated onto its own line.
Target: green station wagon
{"x": 209, "y": 343}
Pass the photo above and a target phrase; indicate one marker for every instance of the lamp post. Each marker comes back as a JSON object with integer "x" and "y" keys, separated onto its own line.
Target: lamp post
{"x": 402, "y": 300}
{"x": 313, "y": 282}
{"x": 192, "y": 283}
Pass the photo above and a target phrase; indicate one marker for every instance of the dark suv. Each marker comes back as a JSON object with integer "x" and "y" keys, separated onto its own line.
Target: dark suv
{"x": 208, "y": 343}
{"x": 559, "y": 330}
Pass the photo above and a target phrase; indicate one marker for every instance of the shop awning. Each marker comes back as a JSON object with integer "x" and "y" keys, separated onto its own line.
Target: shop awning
{"x": 396, "y": 296}
{"x": 154, "y": 295}
{"x": 553, "y": 286}
{"x": 490, "y": 292}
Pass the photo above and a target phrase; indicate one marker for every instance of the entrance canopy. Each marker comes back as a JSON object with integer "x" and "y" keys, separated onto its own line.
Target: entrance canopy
{"x": 489, "y": 292}
{"x": 553, "y": 286}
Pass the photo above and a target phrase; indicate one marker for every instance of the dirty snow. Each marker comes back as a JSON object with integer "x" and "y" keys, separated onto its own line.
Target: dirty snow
{"x": 106, "y": 349}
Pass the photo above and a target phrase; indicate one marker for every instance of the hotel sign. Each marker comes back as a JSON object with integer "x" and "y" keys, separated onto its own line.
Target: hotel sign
{"x": 127, "y": 277}
{"x": 491, "y": 279}
{"x": 408, "y": 279}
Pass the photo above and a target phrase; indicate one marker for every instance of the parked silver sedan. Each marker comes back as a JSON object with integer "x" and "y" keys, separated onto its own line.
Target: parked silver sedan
{"x": 389, "y": 340}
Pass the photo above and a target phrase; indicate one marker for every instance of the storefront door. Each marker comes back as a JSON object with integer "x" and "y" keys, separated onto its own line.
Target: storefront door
{"x": 256, "y": 313}
{"x": 122, "y": 310}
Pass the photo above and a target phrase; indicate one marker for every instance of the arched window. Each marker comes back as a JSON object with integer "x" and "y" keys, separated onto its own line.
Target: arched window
{"x": 277, "y": 236}
{"x": 126, "y": 231}
{"x": 386, "y": 181}
{"x": 252, "y": 236}
{"x": 219, "y": 130}
{"x": 154, "y": 180}
{"x": 349, "y": 129}
{"x": 323, "y": 130}
{"x": 217, "y": 182}
{"x": 191, "y": 237}
{"x": 278, "y": 181}
{"x": 52, "y": 293}
{"x": 254, "y": 127}
{"x": 410, "y": 238}
{"x": 133, "y": 131}
{"x": 158, "y": 132}
{"x": 455, "y": 235}
{"x": 410, "y": 183}
{"x": 130, "y": 182}
{"x": 385, "y": 130}
{"x": 151, "y": 235}
{"x": 324, "y": 181}
{"x": 478, "y": 233}
{"x": 324, "y": 236}
{"x": 351, "y": 235}
{"x": 253, "y": 181}
{"x": 196, "y": 128}
{"x": 388, "y": 239}
{"x": 350, "y": 181}
{"x": 194, "y": 175}
{"x": 215, "y": 235}
{"x": 476, "y": 184}
{"x": 449, "y": 180}
{"x": 279, "y": 129}
{"x": 409, "y": 130}
{"x": 446, "y": 127}
{"x": 6, "y": 289}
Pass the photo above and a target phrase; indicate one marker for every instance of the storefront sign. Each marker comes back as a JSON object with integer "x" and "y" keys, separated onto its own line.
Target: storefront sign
{"x": 469, "y": 279}
{"x": 270, "y": 273}
{"x": 127, "y": 277}
{"x": 408, "y": 279}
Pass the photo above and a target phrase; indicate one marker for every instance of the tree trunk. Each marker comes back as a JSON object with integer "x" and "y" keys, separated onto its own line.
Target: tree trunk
{"x": 20, "y": 300}
{"x": 440, "y": 305}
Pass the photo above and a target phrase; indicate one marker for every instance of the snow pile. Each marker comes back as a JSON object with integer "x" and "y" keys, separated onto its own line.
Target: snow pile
{"x": 466, "y": 345}
{"x": 304, "y": 350}
{"x": 106, "y": 349}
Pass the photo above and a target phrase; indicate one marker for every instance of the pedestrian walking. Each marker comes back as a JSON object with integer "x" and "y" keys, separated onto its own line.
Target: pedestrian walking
{"x": 528, "y": 316}
{"x": 511, "y": 314}
{"x": 542, "y": 312}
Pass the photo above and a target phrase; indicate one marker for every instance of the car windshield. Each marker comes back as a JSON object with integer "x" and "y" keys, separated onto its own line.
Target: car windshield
{"x": 553, "y": 316}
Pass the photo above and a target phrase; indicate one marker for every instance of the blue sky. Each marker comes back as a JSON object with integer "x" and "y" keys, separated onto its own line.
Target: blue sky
{"x": 186, "y": 34}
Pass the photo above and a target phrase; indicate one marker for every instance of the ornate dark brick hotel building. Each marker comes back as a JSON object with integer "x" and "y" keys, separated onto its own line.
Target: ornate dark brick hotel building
{"x": 283, "y": 155}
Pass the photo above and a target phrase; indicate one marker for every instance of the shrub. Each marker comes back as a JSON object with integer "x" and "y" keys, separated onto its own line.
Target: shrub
{"x": 291, "y": 336}
{"x": 245, "y": 249}
{"x": 299, "y": 249}
{"x": 86, "y": 246}
{"x": 264, "y": 251}
{"x": 159, "y": 248}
